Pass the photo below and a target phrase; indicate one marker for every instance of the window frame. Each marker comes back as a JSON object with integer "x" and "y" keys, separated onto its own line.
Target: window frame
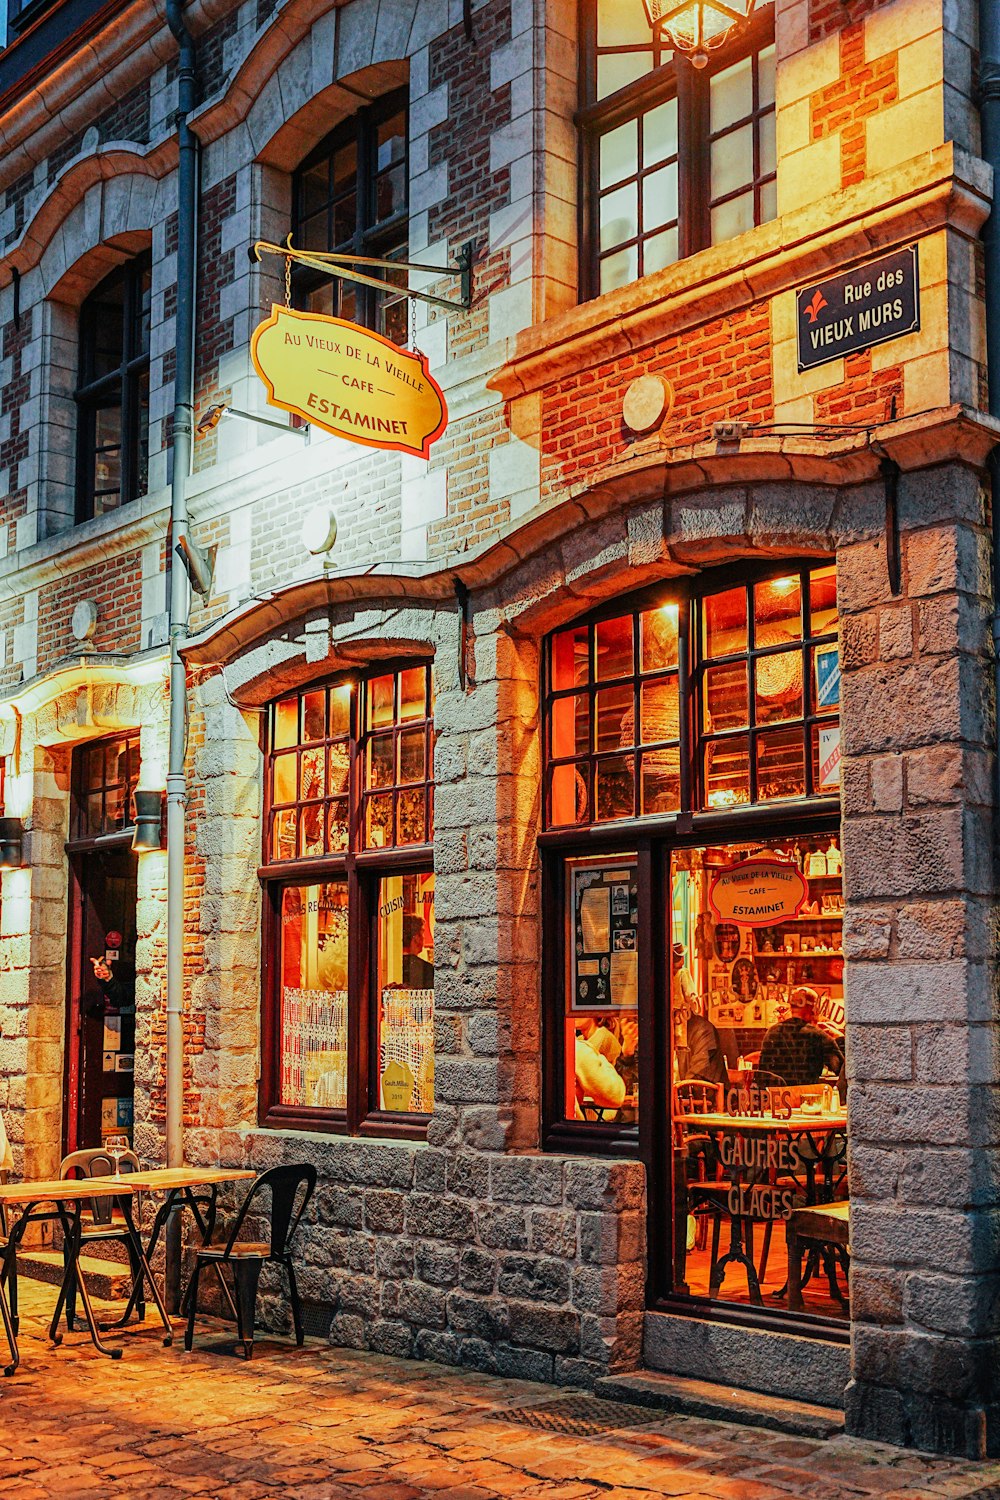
{"x": 124, "y": 380}
{"x": 79, "y": 837}
{"x": 362, "y": 869}
{"x": 372, "y": 236}
{"x": 675, "y": 78}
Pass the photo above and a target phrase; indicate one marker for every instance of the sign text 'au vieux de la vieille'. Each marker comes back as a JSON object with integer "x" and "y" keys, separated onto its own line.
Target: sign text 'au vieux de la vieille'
{"x": 858, "y": 309}
{"x": 349, "y": 381}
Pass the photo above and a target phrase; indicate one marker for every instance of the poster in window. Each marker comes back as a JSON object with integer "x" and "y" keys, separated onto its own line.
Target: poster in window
{"x": 604, "y": 969}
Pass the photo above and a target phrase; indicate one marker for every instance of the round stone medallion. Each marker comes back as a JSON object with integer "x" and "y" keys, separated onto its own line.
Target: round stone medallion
{"x": 646, "y": 404}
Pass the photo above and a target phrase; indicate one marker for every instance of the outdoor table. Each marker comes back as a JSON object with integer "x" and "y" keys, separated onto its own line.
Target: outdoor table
{"x": 67, "y": 1197}
{"x": 826, "y": 1134}
{"x": 178, "y": 1183}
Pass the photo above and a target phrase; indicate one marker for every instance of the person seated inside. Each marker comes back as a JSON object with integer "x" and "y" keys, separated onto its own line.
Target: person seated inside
{"x": 698, "y": 1048}
{"x": 604, "y": 1055}
{"x": 796, "y": 1050}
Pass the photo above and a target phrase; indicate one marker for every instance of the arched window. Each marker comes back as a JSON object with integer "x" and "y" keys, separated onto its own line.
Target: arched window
{"x": 351, "y": 194}
{"x": 693, "y": 967}
{"x": 674, "y": 158}
{"x": 112, "y": 392}
{"x": 348, "y": 1026}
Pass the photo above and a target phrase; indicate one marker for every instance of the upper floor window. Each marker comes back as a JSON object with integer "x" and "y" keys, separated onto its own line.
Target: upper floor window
{"x": 675, "y": 158}
{"x": 105, "y": 773}
{"x": 727, "y": 697}
{"x": 351, "y": 195}
{"x": 112, "y": 394}
{"x": 348, "y": 1024}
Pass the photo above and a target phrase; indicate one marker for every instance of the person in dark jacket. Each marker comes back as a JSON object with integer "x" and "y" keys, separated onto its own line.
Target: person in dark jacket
{"x": 795, "y": 1050}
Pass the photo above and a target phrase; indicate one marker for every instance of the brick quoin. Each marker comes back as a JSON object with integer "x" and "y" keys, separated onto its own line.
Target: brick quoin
{"x": 15, "y": 393}
{"x": 116, "y": 587}
{"x": 826, "y": 16}
{"x": 865, "y": 397}
{"x": 722, "y": 368}
{"x": 861, "y": 90}
{"x": 215, "y": 333}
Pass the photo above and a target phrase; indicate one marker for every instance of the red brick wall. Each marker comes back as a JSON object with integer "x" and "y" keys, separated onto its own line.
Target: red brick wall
{"x": 864, "y": 397}
{"x": 116, "y": 585}
{"x": 827, "y": 16}
{"x": 722, "y": 369}
{"x": 861, "y": 90}
{"x": 216, "y": 268}
{"x": 15, "y": 393}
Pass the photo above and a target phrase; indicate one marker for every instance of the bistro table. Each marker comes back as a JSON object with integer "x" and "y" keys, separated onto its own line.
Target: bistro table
{"x": 821, "y": 1137}
{"x": 179, "y": 1184}
{"x": 66, "y": 1197}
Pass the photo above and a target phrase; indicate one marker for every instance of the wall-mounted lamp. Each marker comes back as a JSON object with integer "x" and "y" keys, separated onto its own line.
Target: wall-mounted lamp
{"x": 147, "y": 836}
{"x": 12, "y": 851}
{"x": 696, "y": 27}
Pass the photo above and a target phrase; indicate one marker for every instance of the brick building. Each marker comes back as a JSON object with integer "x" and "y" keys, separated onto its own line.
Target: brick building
{"x": 465, "y": 794}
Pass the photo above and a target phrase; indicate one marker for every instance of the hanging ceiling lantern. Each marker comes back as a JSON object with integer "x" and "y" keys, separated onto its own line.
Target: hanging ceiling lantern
{"x": 696, "y": 27}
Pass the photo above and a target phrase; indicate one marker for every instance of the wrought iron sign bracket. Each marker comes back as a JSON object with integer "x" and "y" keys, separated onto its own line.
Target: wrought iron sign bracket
{"x": 333, "y": 263}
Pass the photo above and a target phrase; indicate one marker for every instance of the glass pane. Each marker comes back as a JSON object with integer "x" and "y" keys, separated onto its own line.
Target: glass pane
{"x": 777, "y": 606}
{"x": 660, "y": 711}
{"x": 660, "y": 781}
{"x": 413, "y": 693}
{"x": 659, "y": 133}
{"x": 614, "y": 788}
{"x": 778, "y": 687}
{"x": 313, "y": 1043}
{"x": 768, "y": 201}
{"x": 283, "y": 835}
{"x": 614, "y": 648}
{"x": 380, "y": 701}
{"x": 391, "y": 141}
{"x": 726, "y": 697}
{"x": 727, "y": 772}
{"x": 314, "y": 189}
{"x": 141, "y": 398}
{"x": 381, "y": 761}
{"x": 411, "y": 817}
{"x": 767, "y": 146}
{"x": 731, "y": 95}
{"x": 94, "y": 823}
{"x": 284, "y": 778}
{"x": 762, "y": 1007}
{"x": 732, "y": 161}
{"x": 659, "y": 197}
{"x": 94, "y": 776}
{"x": 660, "y": 251}
{"x": 345, "y": 167}
{"x": 619, "y": 211}
{"x": 411, "y": 755}
{"x": 378, "y": 821}
{"x": 311, "y": 821}
{"x": 143, "y": 305}
{"x": 568, "y": 795}
{"x": 390, "y": 192}
{"x": 619, "y": 154}
{"x": 312, "y": 774}
{"x": 601, "y": 1059}
{"x": 725, "y": 623}
{"x": 340, "y": 709}
{"x": 405, "y": 1044}
{"x": 570, "y": 726}
{"x": 781, "y": 764}
{"x": 826, "y": 759}
{"x": 569, "y": 665}
{"x": 823, "y": 600}
{"x": 616, "y": 70}
{"x": 314, "y": 233}
{"x": 765, "y": 76}
{"x": 286, "y": 723}
{"x": 313, "y": 716}
{"x": 658, "y": 637}
{"x": 615, "y": 719}
{"x": 114, "y": 809}
{"x": 826, "y": 678}
{"x": 338, "y": 826}
{"x": 620, "y": 269}
{"x": 621, "y": 25}
{"x": 732, "y": 218}
{"x": 345, "y": 219}
{"x": 318, "y": 301}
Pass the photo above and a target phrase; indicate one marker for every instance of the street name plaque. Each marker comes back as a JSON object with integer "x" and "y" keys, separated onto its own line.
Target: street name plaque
{"x": 858, "y": 309}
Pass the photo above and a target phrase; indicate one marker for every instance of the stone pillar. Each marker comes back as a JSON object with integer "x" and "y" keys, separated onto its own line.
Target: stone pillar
{"x": 922, "y": 1037}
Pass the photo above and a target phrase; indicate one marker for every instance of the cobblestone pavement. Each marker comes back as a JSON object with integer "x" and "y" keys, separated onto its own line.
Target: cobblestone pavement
{"x": 328, "y": 1424}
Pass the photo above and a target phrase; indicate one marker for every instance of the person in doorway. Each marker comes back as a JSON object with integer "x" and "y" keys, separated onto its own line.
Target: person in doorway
{"x": 117, "y": 983}
{"x": 698, "y": 1050}
{"x": 796, "y": 1050}
{"x": 418, "y": 974}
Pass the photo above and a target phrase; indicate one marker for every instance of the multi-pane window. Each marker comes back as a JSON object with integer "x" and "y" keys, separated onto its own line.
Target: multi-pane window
{"x": 105, "y": 773}
{"x": 675, "y": 158}
{"x": 351, "y": 195}
{"x": 695, "y": 702}
{"x": 112, "y": 394}
{"x": 349, "y": 884}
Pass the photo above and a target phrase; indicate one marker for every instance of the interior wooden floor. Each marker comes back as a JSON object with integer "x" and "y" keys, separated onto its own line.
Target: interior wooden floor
{"x": 816, "y": 1296}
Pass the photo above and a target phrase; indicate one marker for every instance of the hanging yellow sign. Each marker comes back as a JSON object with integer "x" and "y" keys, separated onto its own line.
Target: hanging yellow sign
{"x": 349, "y": 381}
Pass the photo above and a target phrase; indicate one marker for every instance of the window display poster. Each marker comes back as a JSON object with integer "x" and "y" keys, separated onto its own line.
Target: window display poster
{"x": 604, "y": 932}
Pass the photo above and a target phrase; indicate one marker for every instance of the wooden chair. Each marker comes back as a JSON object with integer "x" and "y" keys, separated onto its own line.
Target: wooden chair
{"x": 825, "y": 1229}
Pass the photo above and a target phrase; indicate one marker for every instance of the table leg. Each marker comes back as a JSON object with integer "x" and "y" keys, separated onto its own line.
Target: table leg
{"x": 142, "y": 1273}
{"x": 8, "y": 1322}
{"x": 794, "y": 1268}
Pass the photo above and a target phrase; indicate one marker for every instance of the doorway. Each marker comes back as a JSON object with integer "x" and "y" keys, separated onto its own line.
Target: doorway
{"x": 100, "y": 967}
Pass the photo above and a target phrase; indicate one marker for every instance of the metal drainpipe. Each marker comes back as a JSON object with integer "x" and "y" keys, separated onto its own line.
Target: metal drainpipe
{"x": 180, "y": 604}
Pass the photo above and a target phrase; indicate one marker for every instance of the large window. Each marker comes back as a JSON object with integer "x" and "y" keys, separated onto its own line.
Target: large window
{"x": 675, "y": 158}
{"x": 349, "y": 905}
{"x": 693, "y": 967}
{"x": 105, "y": 773}
{"x": 351, "y": 195}
{"x": 112, "y": 394}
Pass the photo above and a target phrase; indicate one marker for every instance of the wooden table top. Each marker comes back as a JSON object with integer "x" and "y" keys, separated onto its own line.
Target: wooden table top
{"x": 799, "y": 1122}
{"x": 68, "y": 1190}
{"x": 165, "y": 1178}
